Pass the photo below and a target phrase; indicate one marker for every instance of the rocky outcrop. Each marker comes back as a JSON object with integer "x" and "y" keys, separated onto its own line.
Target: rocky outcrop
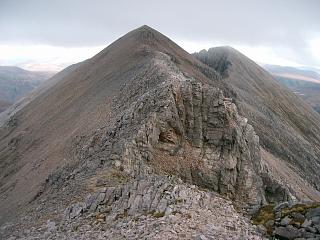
{"x": 175, "y": 144}
{"x": 288, "y": 127}
{"x": 155, "y": 195}
{"x": 156, "y": 207}
{"x": 168, "y": 156}
{"x": 188, "y": 129}
{"x": 289, "y": 220}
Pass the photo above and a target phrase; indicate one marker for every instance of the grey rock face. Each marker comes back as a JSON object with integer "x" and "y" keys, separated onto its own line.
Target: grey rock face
{"x": 139, "y": 210}
{"x": 172, "y": 125}
{"x": 269, "y": 223}
{"x": 74, "y": 210}
{"x": 311, "y": 229}
{"x": 306, "y": 223}
{"x": 281, "y": 206}
{"x": 285, "y": 221}
{"x": 200, "y": 237}
{"x": 288, "y": 128}
{"x": 287, "y": 233}
{"x": 170, "y": 134}
{"x": 315, "y": 220}
{"x": 298, "y": 217}
{"x": 314, "y": 212}
{"x": 204, "y": 140}
{"x": 185, "y": 128}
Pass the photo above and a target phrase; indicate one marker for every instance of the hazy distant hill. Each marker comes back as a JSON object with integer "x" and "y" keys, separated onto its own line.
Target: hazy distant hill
{"x": 303, "y": 82}
{"x": 4, "y": 105}
{"x": 294, "y": 72}
{"x": 15, "y": 82}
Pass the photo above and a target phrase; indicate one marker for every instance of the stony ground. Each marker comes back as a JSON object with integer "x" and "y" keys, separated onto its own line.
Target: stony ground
{"x": 188, "y": 213}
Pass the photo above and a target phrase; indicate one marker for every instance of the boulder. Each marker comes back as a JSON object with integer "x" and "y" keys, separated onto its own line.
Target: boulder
{"x": 281, "y": 206}
{"x": 74, "y": 210}
{"x": 314, "y": 212}
{"x": 306, "y": 234}
{"x": 269, "y": 223}
{"x": 315, "y": 220}
{"x": 200, "y": 237}
{"x": 311, "y": 229}
{"x": 287, "y": 233}
{"x": 298, "y": 217}
{"x": 306, "y": 223}
{"x": 285, "y": 221}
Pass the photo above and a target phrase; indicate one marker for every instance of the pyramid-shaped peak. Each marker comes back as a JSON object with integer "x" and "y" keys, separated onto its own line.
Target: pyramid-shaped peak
{"x": 146, "y": 27}
{"x": 147, "y": 35}
{"x": 143, "y": 36}
{"x": 146, "y": 38}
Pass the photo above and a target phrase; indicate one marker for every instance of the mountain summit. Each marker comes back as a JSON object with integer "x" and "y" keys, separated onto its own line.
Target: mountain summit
{"x": 144, "y": 133}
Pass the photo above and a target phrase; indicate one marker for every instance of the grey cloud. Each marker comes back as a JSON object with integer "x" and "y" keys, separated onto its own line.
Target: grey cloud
{"x": 96, "y": 22}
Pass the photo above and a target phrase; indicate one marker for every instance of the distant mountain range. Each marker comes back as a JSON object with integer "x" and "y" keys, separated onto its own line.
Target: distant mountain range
{"x": 310, "y": 75}
{"x": 302, "y": 81}
{"x": 16, "y": 82}
{"x": 4, "y": 105}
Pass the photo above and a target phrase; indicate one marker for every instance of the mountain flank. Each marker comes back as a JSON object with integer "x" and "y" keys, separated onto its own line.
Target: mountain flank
{"x": 145, "y": 141}
{"x": 286, "y": 125}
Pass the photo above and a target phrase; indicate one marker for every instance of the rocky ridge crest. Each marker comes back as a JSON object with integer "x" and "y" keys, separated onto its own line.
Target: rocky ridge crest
{"x": 173, "y": 144}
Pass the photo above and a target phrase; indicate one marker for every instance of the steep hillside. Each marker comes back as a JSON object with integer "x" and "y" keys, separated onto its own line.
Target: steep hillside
{"x": 288, "y": 128}
{"x": 16, "y": 82}
{"x": 140, "y": 141}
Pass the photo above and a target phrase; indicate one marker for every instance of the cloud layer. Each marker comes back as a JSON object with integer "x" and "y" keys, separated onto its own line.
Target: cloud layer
{"x": 287, "y": 25}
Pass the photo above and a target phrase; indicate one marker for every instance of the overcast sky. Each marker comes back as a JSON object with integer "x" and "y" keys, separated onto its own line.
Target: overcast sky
{"x": 49, "y": 35}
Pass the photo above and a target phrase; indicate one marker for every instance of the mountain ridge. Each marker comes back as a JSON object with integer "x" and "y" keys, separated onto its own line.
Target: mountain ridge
{"x": 266, "y": 103}
{"x": 142, "y": 130}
